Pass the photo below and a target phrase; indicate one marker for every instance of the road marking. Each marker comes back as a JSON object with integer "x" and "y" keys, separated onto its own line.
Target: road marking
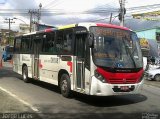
{"x": 22, "y": 101}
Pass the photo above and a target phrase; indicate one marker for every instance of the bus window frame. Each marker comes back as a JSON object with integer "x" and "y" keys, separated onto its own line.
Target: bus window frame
{"x": 15, "y": 41}
{"x": 34, "y": 37}
{"x": 25, "y": 37}
{"x": 63, "y": 32}
{"x": 80, "y": 30}
{"x": 44, "y": 42}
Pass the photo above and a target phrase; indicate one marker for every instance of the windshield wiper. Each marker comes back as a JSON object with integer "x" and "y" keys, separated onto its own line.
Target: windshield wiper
{"x": 130, "y": 54}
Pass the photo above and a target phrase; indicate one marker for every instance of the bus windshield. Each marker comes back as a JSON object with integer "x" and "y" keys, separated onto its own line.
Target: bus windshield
{"x": 116, "y": 48}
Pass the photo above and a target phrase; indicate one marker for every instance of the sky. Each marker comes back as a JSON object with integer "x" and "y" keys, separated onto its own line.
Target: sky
{"x": 62, "y": 12}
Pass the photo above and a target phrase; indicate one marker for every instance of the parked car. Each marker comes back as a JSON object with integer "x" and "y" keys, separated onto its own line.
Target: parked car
{"x": 157, "y": 60}
{"x": 153, "y": 74}
{"x": 151, "y": 60}
{"x": 7, "y": 53}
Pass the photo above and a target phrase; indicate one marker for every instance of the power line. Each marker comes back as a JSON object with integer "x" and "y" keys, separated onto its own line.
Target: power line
{"x": 100, "y": 9}
{"x": 45, "y": 6}
{"x": 54, "y": 5}
{"x": 24, "y": 11}
{"x": 46, "y": 12}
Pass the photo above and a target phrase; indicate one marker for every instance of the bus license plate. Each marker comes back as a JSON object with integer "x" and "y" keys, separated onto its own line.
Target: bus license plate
{"x": 124, "y": 88}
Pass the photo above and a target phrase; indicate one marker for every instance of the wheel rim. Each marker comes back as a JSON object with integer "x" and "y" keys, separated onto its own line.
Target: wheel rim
{"x": 64, "y": 86}
{"x": 157, "y": 78}
{"x": 24, "y": 74}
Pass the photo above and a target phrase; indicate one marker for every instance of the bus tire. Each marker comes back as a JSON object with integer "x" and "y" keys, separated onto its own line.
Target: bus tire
{"x": 65, "y": 85}
{"x": 25, "y": 74}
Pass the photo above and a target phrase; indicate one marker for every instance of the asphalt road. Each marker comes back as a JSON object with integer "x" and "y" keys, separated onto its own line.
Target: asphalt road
{"x": 46, "y": 101}
{"x": 42, "y": 100}
{"x": 153, "y": 83}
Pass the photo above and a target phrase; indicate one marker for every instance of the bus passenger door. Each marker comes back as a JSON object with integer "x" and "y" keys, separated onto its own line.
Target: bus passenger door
{"x": 36, "y": 47}
{"x": 79, "y": 63}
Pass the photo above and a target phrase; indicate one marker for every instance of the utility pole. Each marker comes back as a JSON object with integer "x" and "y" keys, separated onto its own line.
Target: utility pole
{"x": 110, "y": 21}
{"x": 9, "y": 21}
{"x": 31, "y": 13}
{"x": 39, "y": 16}
{"x": 35, "y": 13}
{"x": 122, "y": 12}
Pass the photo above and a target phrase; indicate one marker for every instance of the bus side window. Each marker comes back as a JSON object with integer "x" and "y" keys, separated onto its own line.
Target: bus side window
{"x": 17, "y": 44}
{"x": 67, "y": 42}
{"x": 59, "y": 39}
{"x": 25, "y": 44}
{"x": 48, "y": 43}
{"x": 64, "y": 39}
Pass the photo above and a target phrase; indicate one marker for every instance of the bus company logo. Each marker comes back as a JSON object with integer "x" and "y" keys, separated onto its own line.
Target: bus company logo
{"x": 51, "y": 60}
{"x": 124, "y": 80}
{"x": 25, "y": 58}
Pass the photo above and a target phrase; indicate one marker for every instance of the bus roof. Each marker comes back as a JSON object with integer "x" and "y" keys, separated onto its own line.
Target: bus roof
{"x": 67, "y": 26}
{"x": 88, "y": 24}
{"x": 36, "y": 32}
{"x": 112, "y": 26}
{"x": 84, "y": 24}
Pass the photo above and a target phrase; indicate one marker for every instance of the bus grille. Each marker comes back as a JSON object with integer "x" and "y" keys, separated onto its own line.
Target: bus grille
{"x": 122, "y": 81}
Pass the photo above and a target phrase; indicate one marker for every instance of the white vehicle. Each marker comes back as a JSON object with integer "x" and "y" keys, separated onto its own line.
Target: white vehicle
{"x": 153, "y": 74}
{"x": 89, "y": 58}
{"x": 152, "y": 66}
{"x": 145, "y": 63}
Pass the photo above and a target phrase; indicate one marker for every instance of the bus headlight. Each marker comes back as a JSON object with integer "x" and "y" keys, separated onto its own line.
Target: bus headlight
{"x": 99, "y": 76}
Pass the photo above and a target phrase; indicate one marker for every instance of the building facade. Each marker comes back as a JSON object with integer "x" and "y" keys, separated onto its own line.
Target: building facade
{"x": 7, "y": 36}
{"x": 153, "y": 37}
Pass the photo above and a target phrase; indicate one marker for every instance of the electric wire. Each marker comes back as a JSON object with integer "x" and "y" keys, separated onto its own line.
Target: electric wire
{"x": 45, "y": 12}
{"x": 61, "y": 11}
{"x": 50, "y": 3}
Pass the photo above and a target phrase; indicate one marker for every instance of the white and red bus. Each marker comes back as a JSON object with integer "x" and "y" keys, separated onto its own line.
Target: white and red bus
{"x": 89, "y": 58}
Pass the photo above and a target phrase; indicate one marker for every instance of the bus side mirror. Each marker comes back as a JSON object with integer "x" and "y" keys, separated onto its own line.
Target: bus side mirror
{"x": 90, "y": 39}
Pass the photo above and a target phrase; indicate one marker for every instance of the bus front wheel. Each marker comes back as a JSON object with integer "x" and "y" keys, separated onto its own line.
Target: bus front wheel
{"x": 25, "y": 74}
{"x": 65, "y": 86}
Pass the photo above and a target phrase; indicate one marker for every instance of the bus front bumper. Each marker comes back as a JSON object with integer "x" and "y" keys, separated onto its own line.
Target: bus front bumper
{"x": 105, "y": 89}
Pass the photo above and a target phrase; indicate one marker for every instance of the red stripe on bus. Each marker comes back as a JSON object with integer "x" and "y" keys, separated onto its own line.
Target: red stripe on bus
{"x": 40, "y": 65}
{"x": 112, "y": 26}
{"x": 70, "y": 64}
{"x": 121, "y": 78}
